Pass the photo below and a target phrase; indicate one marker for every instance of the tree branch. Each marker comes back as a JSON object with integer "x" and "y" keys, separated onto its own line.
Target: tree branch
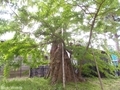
{"x": 93, "y": 23}
{"x": 86, "y": 11}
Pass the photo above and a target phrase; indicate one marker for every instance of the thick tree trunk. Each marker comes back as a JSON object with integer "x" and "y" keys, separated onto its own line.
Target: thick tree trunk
{"x": 56, "y": 65}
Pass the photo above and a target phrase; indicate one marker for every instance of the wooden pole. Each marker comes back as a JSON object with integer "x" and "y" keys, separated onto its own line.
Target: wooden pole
{"x": 98, "y": 72}
{"x": 63, "y": 63}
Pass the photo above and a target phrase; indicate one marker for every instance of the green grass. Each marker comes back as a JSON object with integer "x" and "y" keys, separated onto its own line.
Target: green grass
{"x": 43, "y": 84}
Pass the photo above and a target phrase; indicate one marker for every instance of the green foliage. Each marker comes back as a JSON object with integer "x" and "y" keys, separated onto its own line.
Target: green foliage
{"x": 26, "y": 51}
{"x": 88, "y": 63}
{"x": 6, "y": 70}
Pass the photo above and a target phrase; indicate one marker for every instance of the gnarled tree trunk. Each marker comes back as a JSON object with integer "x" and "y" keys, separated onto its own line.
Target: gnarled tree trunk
{"x": 56, "y": 65}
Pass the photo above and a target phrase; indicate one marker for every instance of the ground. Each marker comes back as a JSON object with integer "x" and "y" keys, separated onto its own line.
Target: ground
{"x": 43, "y": 84}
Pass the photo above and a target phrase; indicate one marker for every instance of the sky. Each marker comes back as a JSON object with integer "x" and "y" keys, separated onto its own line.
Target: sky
{"x": 7, "y": 36}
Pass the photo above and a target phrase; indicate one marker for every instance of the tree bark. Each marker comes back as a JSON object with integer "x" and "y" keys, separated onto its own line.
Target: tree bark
{"x": 56, "y": 73}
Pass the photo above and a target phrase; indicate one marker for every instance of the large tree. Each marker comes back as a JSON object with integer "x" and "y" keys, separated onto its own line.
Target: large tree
{"x": 39, "y": 23}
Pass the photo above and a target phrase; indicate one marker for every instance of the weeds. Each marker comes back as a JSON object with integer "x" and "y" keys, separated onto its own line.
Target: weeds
{"x": 43, "y": 84}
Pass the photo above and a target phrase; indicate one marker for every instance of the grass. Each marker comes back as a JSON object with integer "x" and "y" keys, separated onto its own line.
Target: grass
{"x": 43, "y": 84}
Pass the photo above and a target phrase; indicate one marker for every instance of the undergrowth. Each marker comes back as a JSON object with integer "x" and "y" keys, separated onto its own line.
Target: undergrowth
{"x": 43, "y": 84}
